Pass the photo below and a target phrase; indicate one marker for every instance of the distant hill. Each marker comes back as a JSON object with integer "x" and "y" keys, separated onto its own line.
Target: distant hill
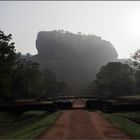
{"x": 75, "y": 58}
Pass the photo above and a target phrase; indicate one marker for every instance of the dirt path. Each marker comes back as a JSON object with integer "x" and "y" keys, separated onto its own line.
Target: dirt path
{"x": 82, "y": 124}
{"x": 78, "y": 104}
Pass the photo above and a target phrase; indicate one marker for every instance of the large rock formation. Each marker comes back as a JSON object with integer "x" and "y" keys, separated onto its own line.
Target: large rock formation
{"x": 75, "y": 58}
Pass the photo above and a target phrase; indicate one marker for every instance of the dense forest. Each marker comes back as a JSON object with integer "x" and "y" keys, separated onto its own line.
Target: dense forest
{"x": 117, "y": 78}
{"x": 75, "y": 58}
{"x": 22, "y": 78}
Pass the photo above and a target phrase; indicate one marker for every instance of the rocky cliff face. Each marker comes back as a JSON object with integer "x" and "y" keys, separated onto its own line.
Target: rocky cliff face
{"x": 74, "y": 58}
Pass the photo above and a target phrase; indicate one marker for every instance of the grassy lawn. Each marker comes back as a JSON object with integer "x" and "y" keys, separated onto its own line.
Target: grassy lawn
{"x": 121, "y": 120}
{"x": 129, "y": 114}
{"x": 29, "y": 125}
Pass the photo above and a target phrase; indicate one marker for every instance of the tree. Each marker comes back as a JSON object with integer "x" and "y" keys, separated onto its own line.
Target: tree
{"x": 7, "y": 62}
{"x": 22, "y": 78}
{"x": 91, "y": 89}
{"x": 135, "y": 57}
{"x": 62, "y": 87}
{"x": 114, "y": 79}
{"x": 50, "y": 83}
{"x": 50, "y": 86}
{"x": 26, "y": 80}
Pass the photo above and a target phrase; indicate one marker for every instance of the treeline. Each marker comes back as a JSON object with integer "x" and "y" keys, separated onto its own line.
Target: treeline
{"x": 118, "y": 79}
{"x": 22, "y": 78}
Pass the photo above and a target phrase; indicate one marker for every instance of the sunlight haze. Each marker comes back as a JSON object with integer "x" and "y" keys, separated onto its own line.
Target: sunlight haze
{"x": 114, "y": 21}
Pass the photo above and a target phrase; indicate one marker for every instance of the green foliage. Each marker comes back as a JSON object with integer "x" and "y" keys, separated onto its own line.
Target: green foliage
{"x": 22, "y": 78}
{"x": 91, "y": 89}
{"x": 49, "y": 82}
{"x": 7, "y": 61}
{"x": 62, "y": 87}
{"x": 135, "y": 114}
{"x": 29, "y": 125}
{"x": 26, "y": 78}
{"x": 130, "y": 127}
{"x": 118, "y": 79}
{"x": 135, "y": 61}
{"x": 51, "y": 87}
{"x": 114, "y": 79}
{"x": 136, "y": 68}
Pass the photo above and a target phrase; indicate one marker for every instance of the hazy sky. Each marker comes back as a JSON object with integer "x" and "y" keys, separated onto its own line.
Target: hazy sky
{"x": 117, "y": 22}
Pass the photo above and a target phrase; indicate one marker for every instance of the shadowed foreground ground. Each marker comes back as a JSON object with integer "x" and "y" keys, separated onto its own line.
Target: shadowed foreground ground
{"x": 82, "y": 124}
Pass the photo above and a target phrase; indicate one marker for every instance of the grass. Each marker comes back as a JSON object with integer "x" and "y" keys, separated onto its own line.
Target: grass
{"x": 29, "y": 125}
{"x": 129, "y": 114}
{"x": 121, "y": 120}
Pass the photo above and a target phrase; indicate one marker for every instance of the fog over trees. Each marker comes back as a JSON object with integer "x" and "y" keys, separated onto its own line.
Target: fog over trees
{"x": 75, "y": 58}
{"x": 22, "y": 78}
{"x": 66, "y": 64}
